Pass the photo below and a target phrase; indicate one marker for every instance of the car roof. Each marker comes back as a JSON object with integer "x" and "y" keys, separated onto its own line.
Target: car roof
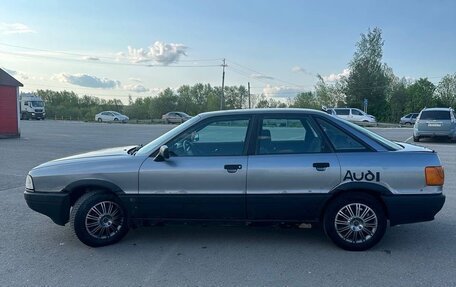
{"x": 263, "y": 111}
{"x": 437, "y": 109}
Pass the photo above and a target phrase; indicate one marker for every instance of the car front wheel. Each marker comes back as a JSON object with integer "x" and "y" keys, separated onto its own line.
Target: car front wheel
{"x": 355, "y": 222}
{"x": 99, "y": 219}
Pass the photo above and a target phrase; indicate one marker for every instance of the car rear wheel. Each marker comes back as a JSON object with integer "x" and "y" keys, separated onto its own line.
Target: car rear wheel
{"x": 355, "y": 222}
{"x": 416, "y": 139}
{"x": 99, "y": 219}
{"x": 116, "y": 119}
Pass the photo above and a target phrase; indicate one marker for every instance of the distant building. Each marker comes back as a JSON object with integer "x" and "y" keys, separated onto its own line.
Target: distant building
{"x": 9, "y": 106}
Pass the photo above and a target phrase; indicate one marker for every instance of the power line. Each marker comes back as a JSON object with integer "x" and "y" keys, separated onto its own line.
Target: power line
{"x": 106, "y": 63}
{"x": 100, "y": 57}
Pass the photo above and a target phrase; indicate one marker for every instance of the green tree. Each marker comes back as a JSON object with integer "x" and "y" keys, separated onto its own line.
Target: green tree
{"x": 420, "y": 95}
{"x": 445, "y": 92}
{"x": 306, "y": 100}
{"x": 368, "y": 78}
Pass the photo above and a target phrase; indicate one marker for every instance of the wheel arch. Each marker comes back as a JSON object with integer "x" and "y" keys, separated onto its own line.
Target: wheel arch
{"x": 375, "y": 190}
{"x": 78, "y": 188}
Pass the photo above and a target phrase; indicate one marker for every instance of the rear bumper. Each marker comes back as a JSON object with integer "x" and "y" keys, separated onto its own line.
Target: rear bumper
{"x": 54, "y": 205}
{"x": 404, "y": 209}
{"x": 432, "y": 134}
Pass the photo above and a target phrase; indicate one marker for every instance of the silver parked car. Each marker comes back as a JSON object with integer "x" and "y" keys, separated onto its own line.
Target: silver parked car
{"x": 175, "y": 117}
{"x": 408, "y": 119}
{"x": 266, "y": 165}
{"x": 352, "y": 115}
{"x": 435, "y": 122}
{"x": 111, "y": 116}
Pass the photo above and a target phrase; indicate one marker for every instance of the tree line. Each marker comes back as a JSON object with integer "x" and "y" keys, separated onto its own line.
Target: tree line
{"x": 389, "y": 97}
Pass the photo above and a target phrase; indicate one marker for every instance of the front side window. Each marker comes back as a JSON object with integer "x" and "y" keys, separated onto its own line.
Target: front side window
{"x": 215, "y": 138}
{"x": 288, "y": 136}
{"x": 357, "y": 112}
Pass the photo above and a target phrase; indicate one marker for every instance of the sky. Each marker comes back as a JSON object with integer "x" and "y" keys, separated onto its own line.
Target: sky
{"x": 113, "y": 49}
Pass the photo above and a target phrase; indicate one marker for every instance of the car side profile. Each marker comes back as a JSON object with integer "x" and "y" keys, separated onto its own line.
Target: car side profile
{"x": 352, "y": 115}
{"x": 246, "y": 166}
{"x": 111, "y": 116}
{"x": 175, "y": 117}
{"x": 435, "y": 123}
{"x": 408, "y": 119}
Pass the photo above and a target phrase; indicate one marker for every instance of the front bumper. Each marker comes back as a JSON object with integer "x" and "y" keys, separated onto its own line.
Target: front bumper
{"x": 54, "y": 205}
{"x": 404, "y": 209}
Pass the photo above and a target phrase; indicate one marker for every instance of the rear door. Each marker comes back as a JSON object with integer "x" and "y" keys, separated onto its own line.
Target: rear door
{"x": 292, "y": 169}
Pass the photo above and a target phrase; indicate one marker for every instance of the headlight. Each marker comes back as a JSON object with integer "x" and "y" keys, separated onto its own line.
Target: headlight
{"x": 29, "y": 183}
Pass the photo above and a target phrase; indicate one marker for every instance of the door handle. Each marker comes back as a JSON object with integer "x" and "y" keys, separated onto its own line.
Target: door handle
{"x": 232, "y": 168}
{"x": 321, "y": 166}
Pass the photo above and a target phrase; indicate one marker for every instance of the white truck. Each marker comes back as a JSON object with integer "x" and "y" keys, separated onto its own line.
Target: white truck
{"x": 32, "y": 107}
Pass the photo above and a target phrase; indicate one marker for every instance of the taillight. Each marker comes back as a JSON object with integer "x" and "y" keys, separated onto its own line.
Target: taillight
{"x": 435, "y": 175}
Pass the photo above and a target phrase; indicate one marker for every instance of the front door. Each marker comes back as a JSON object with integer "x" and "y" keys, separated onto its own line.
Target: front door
{"x": 292, "y": 171}
{"x": 205, "y": 176}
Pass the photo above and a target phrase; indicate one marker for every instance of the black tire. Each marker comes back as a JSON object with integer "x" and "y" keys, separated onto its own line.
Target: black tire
{"x": 116, "y": 119}
{"x": 367, "y": 227}
{"x": 84, "y": 220}
{"x": 416, "y": 139}
{"x": 100, "y": 120}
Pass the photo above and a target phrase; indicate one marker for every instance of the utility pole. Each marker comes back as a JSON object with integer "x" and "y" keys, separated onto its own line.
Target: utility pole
{"x": 248, "y": 84}
{"x": 222, "y": 98}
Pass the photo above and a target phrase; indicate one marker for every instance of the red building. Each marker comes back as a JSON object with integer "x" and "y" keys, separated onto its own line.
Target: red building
{"x": 9, "y": 106}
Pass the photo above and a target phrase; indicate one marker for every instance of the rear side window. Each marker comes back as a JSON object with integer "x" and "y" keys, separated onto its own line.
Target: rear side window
{"x": 341, "y": 141}
{"x": 435, "y": 115}
{"x": 357, "y": 113}
{"x": 342, "y": 112}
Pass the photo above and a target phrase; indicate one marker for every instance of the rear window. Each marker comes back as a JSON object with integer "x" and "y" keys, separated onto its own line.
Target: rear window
{"x": 435, "y": 115}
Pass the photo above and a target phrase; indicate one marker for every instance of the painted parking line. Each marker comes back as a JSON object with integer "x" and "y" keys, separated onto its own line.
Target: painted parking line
{"x": 408, "y": 139}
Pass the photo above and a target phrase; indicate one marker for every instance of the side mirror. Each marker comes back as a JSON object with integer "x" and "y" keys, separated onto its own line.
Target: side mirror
{"x": 163, "y": 153}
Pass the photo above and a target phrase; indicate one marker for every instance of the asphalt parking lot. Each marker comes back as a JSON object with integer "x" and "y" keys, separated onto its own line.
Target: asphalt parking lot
{"x": 36, "y": 252}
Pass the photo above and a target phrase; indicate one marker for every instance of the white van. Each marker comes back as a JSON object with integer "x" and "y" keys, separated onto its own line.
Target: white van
{"x": 352, "y": 115}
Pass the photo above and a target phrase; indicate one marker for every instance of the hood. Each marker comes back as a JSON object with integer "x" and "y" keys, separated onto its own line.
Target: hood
{"x": 109, "y": 152}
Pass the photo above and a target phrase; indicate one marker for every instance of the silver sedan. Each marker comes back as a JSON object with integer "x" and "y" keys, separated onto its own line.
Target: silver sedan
{"x": 267, "y": 165}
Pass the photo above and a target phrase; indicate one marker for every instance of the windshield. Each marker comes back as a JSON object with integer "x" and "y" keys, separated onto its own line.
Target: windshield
{"x": 379, "y": 139}
{"x": 37, "y": 104}
{"x": 435, "y": 115}
{"x": 150, "y": 147}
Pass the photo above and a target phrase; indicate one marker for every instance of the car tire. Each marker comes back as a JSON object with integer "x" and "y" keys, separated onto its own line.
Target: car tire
{"x": 355, "y": 221}
{"x": 99, "y": 219}
{"x": 116, "y": 119}
{"x": 100, "y": 120}
{"x": 416, "y": 139}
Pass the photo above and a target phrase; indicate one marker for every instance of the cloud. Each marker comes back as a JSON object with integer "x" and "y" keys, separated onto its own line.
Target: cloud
{"x": 261, "y": 76}
{"x": 137, "y": 80}
{"x": 281, "y": 91}
{"x": 298, "y": 69}
{"x": 14, "y": 28}
{"x": 137, "y": 88}
{"x": 85, "y": 80}
{"x": 160, "y": 53}
{"x": 336, "y": 77}
{"x": 88, "y": 58}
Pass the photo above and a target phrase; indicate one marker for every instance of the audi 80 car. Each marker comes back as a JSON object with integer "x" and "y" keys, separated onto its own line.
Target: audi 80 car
{"x": 246, "y": 166}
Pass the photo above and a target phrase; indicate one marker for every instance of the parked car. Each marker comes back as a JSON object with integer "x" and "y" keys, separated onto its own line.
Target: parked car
{"x": 111, "y": 116}
{"x": 175, "y": 117}
{"x": 408, "y": 119}
{"x": 265, "y": 165}
{"x": 352, "y": 115}
{"x": 435, "y": 122}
